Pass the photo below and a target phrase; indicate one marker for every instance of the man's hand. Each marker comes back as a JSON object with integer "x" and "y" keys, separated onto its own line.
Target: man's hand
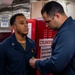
{"x": 32, "y": 62}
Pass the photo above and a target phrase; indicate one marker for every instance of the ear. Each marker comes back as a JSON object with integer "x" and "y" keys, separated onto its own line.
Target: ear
{"x": 57, "y": 15}
{"x": 13, "y": 27}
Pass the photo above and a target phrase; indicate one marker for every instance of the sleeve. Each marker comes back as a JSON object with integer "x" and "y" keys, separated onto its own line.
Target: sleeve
{"x": 1, "y": 60}
{"x": 61, "y": 56}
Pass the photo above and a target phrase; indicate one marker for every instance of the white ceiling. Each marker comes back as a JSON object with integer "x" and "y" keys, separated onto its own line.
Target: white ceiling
{"x": 66, "y": 0}
{"x": 6, "y": 3}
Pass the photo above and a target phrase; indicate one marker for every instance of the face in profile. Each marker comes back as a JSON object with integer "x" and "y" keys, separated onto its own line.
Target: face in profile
{"x": 51, "y": 22}
{"x": 21, "y": 25}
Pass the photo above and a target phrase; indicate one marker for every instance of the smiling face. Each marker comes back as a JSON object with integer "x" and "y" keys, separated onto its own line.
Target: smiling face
{"x": 20, "y": 25}
{"x": 51, "y": 22}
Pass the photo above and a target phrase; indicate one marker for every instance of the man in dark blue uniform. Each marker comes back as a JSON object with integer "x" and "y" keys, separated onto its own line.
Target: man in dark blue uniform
{"x": 16, "y": 50}
{"x": 62, "y": 61}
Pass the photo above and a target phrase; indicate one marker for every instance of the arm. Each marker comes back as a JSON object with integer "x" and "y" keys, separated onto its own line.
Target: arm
{"x": 1, "y": 60}
{"x": 61, "y": 57}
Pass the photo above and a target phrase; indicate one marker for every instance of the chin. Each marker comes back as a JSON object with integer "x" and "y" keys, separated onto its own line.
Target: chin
{"x": 25, "y": 33}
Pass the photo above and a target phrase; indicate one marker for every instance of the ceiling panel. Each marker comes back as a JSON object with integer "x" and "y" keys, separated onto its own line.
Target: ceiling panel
{"x": 16, "y": 2}
{"x": 66, "y": 0}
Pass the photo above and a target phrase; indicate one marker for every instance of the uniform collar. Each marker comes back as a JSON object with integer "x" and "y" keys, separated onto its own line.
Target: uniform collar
{"x": 15, "y": 44}
{"x": 65, "y": 24}
{"x": 14, "y": 40}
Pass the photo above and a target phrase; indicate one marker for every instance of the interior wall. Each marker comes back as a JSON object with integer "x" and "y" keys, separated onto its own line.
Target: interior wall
{"x": 35, "y": 10}
{"x": 69, "y": 8}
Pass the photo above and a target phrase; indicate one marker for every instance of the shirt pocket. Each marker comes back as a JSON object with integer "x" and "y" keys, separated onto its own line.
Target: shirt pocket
{"x": 31, "y": 53}
{"x": 16, "y": 57}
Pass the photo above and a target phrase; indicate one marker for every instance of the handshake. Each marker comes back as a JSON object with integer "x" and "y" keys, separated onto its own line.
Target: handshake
{"x": 32, "y": 62}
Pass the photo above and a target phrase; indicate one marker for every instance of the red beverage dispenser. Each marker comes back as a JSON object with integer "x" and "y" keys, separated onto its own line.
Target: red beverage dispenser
{"x": 43, "y": 37}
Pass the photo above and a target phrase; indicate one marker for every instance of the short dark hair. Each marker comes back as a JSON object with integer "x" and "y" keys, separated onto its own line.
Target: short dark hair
{"x": 12, "y": 19}
{"x": 51, "y": 7}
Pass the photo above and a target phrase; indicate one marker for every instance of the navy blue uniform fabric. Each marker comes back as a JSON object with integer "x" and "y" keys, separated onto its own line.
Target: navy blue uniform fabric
{"x": 62, "y": 61}
{"x": 14, "y": 60}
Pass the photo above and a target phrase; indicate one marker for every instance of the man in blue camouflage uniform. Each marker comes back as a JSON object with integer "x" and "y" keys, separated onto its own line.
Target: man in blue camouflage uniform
{"x": 16, "y": 50}
{"x": 62, "y": 61}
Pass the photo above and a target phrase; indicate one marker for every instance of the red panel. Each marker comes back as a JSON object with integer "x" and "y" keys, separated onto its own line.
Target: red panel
{"x": 40, "y": 31}
{"x": 43, "y": 33}
{"x": 33, "y": 32}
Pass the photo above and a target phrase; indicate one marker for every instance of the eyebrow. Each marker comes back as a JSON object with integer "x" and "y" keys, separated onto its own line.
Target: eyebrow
{"x": 26, "y": 21}
{"x": 47, "y": 21}
{"x": 22, "y": 21}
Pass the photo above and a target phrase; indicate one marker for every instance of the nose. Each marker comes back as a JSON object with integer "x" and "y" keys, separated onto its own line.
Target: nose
{"x": 47, "y": 25}
{"x": 25, "y": 25}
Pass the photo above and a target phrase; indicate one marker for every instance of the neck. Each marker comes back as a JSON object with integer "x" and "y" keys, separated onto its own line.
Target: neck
{"x": 20, "y": 38}
{"x": 63, "y": 19}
